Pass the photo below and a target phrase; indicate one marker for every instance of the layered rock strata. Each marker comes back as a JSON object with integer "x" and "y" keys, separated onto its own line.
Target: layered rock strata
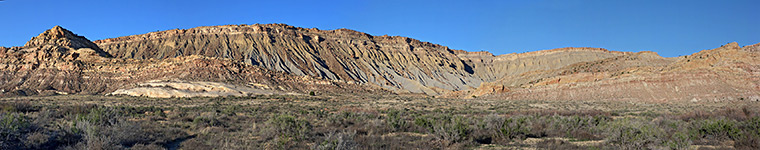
{"x": 396, "y": 63}
{"x": 60, "y": 62}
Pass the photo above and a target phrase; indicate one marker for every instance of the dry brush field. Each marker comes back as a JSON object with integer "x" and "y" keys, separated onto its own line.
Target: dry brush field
{"x": 371, "y": 122}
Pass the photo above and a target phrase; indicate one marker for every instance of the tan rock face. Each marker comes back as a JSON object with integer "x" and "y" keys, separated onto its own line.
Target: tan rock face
{"x": 57, "y": 36}
{"x": 276, "y": 58}
{"x": 396, "y": 63}
{"x": 179, "y": 88}
{"x": 54, "y": 67}
{"x": 724, "y": 74}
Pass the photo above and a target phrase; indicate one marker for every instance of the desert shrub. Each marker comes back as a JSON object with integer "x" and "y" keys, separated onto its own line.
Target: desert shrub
{"x": 425, "y": 122}
{"x": 738, "y": 114}
{"x": 209, "y": 119}
{"x": 396, "y": 120}
{"x": 99, "y": 116}
{"x": 748, "y": 141}
{"x": 516, "y": 127}
{"x": 12, "y": 128}
{"x": 37, "y": 140}
{"x": 678, "y": 140}
{"x": 65, "y": 111}
{"x": 633, "y": 134}
{"x": 282, "y": 126}
{"x": 750, "y": 136}
{"x": 338, "y": 141}
{"x": 752, "y": 126}
{"x": 127, "y": 133}
{"x": 344, "y": 119}
{"x": 92, "y": 136}
{"x": 580, "y": 127}
{"x": 450, "y": 129}
{"x": 106, "y": 128}
{"x": 675, "y": 132}
{"x": 715, "y": 129}
{"x": 23, "y": 107}
{"x": 545, "y": 112}
{"x": 494, "y": 128}
{"x": 499, "y": 129}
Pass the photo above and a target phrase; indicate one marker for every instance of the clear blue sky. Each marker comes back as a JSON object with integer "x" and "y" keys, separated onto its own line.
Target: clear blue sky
{"x": 671, "y": 28}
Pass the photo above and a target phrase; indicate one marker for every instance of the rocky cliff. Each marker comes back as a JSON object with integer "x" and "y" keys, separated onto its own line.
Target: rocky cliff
{"x": 727, "y": 73}
{"x": 392, "y": 62}
{"x": 396, "y": 63}
{"x": 242, "y": 60}
{"x": 60, "y": 62}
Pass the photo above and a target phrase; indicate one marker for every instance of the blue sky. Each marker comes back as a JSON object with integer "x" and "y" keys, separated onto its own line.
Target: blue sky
{"x": 671, "y": 28}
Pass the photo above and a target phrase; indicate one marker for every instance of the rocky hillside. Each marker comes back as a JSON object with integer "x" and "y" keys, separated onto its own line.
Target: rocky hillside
{"x": 727, "y": 73}
{"x": 61, "y": 62}
{"x": 278, "y": 59}
{"x": 396, "y": 63}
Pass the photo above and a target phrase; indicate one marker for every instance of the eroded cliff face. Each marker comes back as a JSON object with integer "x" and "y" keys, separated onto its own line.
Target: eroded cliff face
{"x": 280, "y": 59}
{"x": 492, "y": 68}
{"x": 396, "y": 63}
{"x": 60, "y": 62}
{"x": 728, "y": 73}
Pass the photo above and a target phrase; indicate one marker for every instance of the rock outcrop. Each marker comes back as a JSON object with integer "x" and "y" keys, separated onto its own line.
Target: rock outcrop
{"x": 241, "y": 60}
{"x": 57, "y": 36}
{"x": 179, "y": 88}
{"x": 392, "y": 62}
{"x": 727, "y": 73}
{"x": 60, "y": 62}
{"x": 396, "y": 63}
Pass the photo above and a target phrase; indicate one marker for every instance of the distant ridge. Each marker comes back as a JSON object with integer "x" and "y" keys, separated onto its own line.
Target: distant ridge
{"x": 278, "y": 58}
{"x": 61, "y": 62}
{"x": 397, "y": 63}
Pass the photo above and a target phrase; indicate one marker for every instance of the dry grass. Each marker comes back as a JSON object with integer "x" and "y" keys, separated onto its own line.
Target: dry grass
{"x": 368, "y": 122}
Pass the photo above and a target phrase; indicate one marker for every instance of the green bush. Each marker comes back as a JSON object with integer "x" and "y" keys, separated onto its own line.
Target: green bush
{"x": 516, "y": 127}
{"x": 425, "y": 122}
{"x": 282, "y": 126}
{"x": 752, "y": 125}
{"x": 678, "y": 140}
{"x": 12, "y": 128}
{"x": 716, "y": 129}
{"x": 98, "y": 116}
{"x": 634, "y": 134}
{"x": 395, "y": 120}
{"x": 206, "y": 121}
{"x": 451, "y": 129}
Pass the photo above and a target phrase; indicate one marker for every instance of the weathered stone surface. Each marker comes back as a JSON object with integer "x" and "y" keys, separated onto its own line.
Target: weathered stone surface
{"x": 57, "y": 36}
{"x": 276, "y": 58}
{"x": 492, "y": 68}
{"x": 179, "y": 88}
{"x": 396, "y": 63}
{"x": 55, "y": 67}
{"x": 726, "y": 73}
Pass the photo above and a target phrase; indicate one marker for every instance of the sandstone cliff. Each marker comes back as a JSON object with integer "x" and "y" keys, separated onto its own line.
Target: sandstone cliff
{"x": 243, "y": 60}
{"x": 60, "y": 62}
{"x": 727, "y": 73}
{"x": 396, "y": 63}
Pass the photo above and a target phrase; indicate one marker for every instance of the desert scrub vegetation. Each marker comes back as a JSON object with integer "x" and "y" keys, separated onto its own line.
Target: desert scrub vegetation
{"x": 75, "y": 127}
{"x": 313, "y": 122}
